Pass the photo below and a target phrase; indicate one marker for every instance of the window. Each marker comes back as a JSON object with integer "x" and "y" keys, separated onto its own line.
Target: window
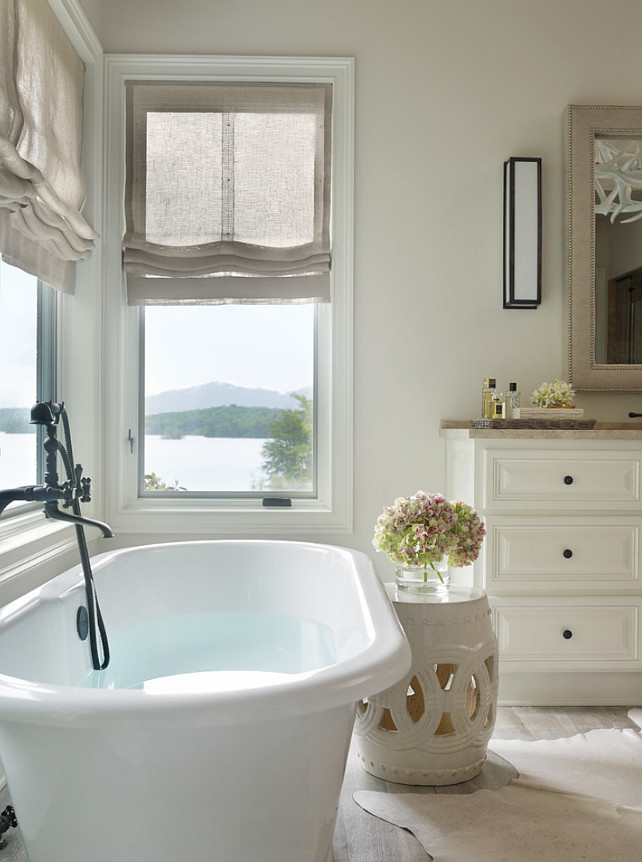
{"x": 52, "y": 91}
{"x": 233, "y": 394}
{"x": 227, "y": 248}
{"x": 27, "y": 360}
{"x": 47, "y": 69}
{"x": 229, "y": 396}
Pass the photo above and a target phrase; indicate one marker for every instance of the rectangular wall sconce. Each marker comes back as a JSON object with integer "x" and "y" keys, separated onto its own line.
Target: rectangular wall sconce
{"x": 522, "y": 233}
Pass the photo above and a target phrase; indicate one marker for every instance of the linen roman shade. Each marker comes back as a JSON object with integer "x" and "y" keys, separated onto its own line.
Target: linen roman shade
{"x": 227, "y": 193}
{"x": 41, "y": 184}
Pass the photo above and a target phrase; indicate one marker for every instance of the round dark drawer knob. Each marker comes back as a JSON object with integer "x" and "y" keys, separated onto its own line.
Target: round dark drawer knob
{"x": 567, "y": 634}
{"x": 568, "y": 480}
{"x": 567, "y": 553}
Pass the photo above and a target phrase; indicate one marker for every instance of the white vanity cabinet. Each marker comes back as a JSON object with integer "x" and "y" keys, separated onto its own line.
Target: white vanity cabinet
{"x": 561, "y": 562}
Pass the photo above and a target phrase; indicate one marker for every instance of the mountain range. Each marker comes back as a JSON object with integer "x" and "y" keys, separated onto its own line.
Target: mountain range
{"x": 217, "y": 394}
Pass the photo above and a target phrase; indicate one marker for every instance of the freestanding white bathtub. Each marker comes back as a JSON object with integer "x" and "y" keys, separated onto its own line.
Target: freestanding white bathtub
{"x": 219, "y": 732}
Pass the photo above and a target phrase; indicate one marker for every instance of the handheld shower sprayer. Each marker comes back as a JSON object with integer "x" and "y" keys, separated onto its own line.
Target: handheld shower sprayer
{"x": 46, "y": 413}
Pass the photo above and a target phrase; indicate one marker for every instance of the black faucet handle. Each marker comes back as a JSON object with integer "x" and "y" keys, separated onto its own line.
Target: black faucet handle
{"x": 85, "y": 496}
{"x": 66, "y": 493}
{"x": 83, "y": 485}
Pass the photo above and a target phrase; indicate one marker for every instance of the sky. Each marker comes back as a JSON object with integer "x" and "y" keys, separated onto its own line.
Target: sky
{"x": 262, "y": 346}
{"x": 258, "y": 346}
{"x": 17, "y": 338}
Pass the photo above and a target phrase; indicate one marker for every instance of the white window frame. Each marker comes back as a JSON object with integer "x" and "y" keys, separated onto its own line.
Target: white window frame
{"x": 331, "y": 510}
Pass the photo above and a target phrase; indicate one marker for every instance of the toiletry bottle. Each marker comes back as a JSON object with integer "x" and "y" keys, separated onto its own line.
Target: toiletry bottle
{"x": 512, "y": 402}
{"x": 488, "y": 388}
{"x": 498, "y": 406}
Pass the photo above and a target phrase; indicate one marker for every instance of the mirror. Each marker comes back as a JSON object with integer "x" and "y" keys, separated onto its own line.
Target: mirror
{"x": 604, "y": 255}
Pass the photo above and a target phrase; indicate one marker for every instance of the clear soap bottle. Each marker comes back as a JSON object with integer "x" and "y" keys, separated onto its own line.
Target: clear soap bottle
{"x": 512, "y": 402}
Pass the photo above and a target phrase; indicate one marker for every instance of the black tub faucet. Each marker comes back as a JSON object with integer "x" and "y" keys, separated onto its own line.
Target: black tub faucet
{"x": 30, "y": 493}
{"x": 72, "y": 492}
{"x": 50, "y": 495}
{"x": 52, "y": 511}
{"x": 75, "y": 490}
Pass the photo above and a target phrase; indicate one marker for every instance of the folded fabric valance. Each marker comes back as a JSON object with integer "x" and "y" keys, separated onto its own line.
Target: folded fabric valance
{"x": 41, "y": 183}
{"x": 227, "y": 192}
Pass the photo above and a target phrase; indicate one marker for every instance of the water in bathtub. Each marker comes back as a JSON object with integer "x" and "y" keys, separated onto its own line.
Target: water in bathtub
{"x": 215, "y": 651}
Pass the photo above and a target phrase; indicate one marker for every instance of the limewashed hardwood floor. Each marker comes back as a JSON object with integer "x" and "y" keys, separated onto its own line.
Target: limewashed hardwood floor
{"x": 359, "y": 837}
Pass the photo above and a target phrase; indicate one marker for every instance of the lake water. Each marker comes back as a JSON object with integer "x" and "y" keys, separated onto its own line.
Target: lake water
{"x": 18, "y": 455}
{"x": 197, "y": 463}
{"x": 206, "y": 463}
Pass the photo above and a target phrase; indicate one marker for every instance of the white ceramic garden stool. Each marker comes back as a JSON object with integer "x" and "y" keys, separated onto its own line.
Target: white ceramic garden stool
{"x": 433, "y": 727}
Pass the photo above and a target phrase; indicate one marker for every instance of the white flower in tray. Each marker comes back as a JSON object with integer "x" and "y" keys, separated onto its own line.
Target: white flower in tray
{"x": 555, "y": 394}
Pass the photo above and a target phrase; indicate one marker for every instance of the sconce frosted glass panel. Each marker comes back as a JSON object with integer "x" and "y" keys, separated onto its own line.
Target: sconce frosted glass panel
{"x": 522, "y": 233}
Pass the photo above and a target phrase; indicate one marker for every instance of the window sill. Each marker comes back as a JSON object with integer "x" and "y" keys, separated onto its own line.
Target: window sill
{"x": 32, "y": 550}
{"x": 228, "y": 517}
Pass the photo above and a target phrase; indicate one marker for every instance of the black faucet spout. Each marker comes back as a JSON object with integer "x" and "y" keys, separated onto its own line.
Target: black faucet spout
{"x": 52, "y": 511}
{"x": 10, "y": 495}
{"x": 30, "y": 493}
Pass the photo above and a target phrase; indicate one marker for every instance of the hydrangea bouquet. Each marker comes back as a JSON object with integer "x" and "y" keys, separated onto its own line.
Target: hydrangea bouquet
{"x": 422, "y": 529}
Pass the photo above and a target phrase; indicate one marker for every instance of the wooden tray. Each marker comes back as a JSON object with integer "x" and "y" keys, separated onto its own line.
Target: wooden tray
{"x": 534, "y": 424}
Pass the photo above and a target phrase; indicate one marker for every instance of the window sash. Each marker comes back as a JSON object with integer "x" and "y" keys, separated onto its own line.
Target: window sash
{"x": 47, "y": 360}
{"x": 44, "y": 328}
{"x": 259, "y": 495}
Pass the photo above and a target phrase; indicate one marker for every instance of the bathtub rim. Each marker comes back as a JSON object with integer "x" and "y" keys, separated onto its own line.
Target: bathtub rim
{"x": 378, "y": 666}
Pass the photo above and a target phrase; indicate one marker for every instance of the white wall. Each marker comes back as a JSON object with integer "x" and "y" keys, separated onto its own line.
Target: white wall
{"x": 446, "y": 91}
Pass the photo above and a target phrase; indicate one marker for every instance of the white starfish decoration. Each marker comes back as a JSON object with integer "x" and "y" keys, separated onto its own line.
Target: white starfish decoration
{"x": 618, "y": 172}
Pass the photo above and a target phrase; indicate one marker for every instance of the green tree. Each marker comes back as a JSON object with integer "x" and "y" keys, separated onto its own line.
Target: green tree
{"x": 226, "y": 421}
{"x": 155, "y": 483}
{"x": 287, "y": 456}
{"x": 15, "y": 420}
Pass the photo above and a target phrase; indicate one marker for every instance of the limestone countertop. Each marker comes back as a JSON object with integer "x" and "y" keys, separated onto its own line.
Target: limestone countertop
{"x": 463, "y": 429}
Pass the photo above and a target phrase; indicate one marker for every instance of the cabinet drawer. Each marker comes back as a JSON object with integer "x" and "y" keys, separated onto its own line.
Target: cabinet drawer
{"x": 595, "y": 634}
{"x": 563, "y": 554}
{"x": 562, "y": 480}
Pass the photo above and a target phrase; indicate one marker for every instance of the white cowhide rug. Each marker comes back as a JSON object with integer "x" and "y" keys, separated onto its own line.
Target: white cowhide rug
{"x": 577, "y": 799}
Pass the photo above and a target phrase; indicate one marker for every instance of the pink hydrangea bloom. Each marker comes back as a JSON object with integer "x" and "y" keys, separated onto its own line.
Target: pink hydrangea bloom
{"x": 420, "y": 530}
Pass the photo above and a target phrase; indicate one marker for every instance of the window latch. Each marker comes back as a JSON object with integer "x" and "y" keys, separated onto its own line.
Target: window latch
{"x": 130, "y": 440}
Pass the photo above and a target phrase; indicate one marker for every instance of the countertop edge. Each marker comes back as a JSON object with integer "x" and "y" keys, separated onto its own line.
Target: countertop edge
{"x": 462, "y": 429}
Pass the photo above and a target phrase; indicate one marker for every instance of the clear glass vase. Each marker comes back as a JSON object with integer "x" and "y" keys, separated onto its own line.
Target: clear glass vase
{"x": 424, "y": 578}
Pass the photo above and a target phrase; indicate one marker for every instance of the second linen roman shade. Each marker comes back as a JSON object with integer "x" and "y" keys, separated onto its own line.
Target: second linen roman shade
{"x": 41, "y": 183}
{"x": 227, "y": 192}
